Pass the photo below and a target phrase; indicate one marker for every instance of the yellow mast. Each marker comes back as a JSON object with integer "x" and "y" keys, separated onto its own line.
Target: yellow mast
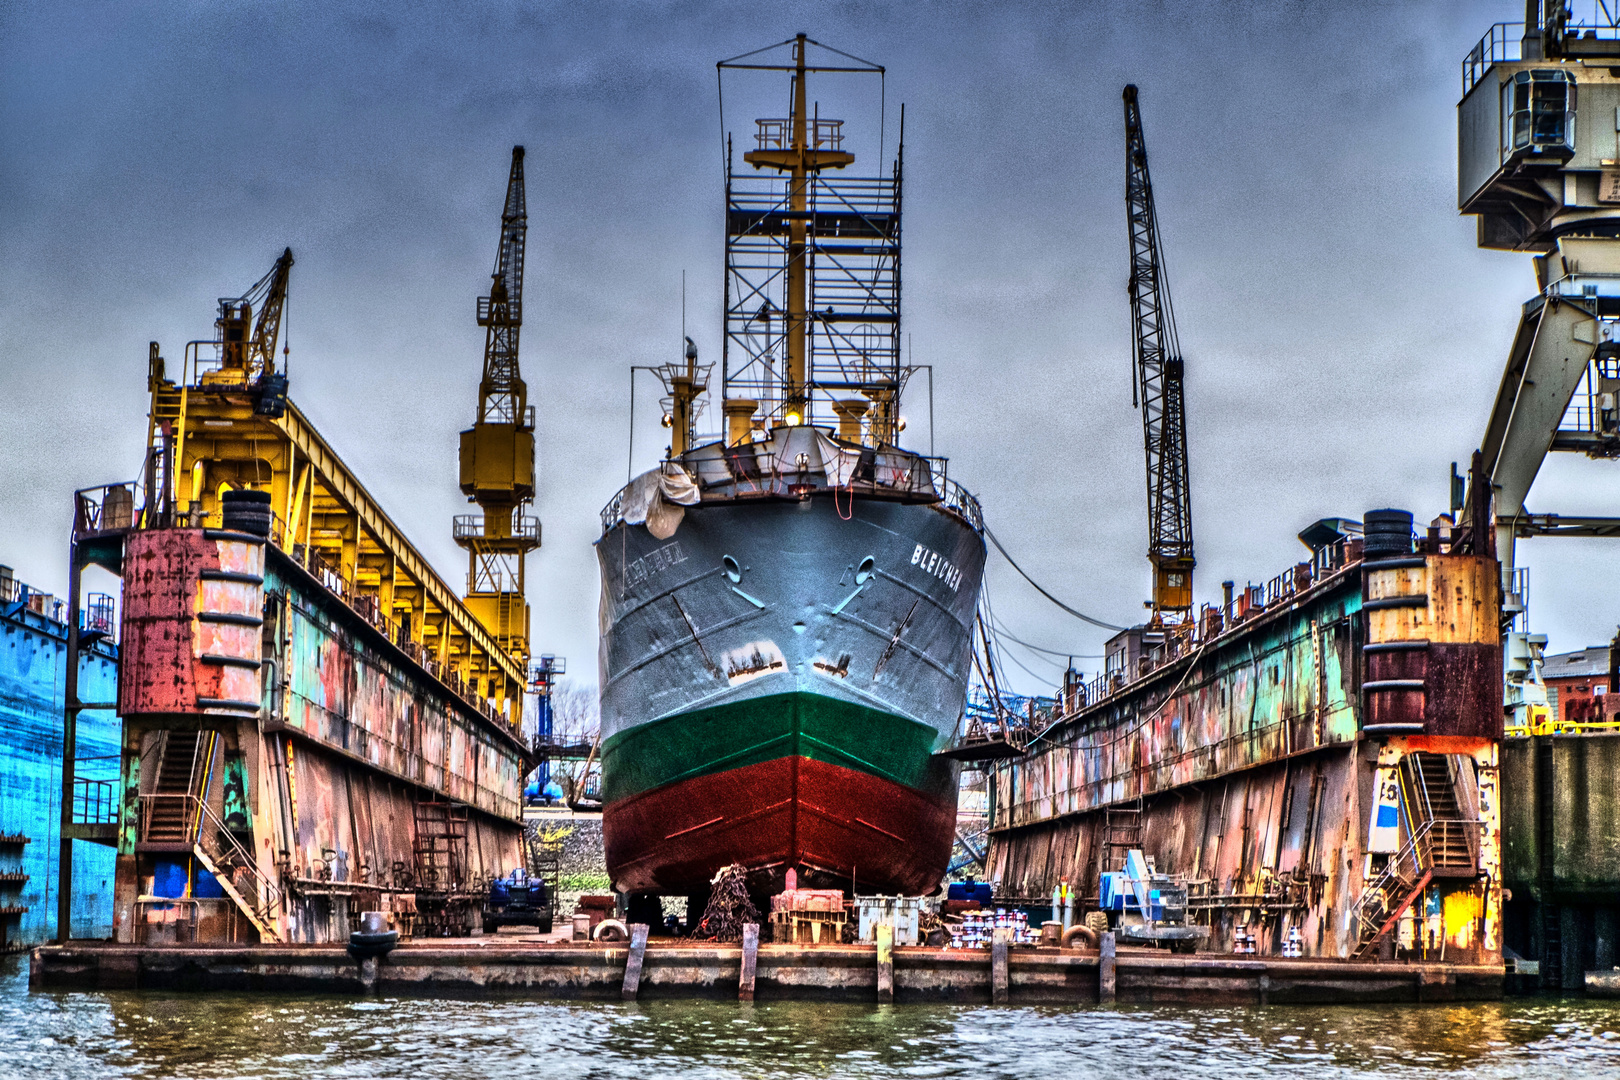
{"x": 799, "y": 159}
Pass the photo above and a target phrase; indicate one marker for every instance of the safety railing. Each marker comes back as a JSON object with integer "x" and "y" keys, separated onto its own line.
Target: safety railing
{"x": 1502, "y": 42}
{"x": 476, "y": 527}
{"x": 753, "y": 472}
{"x": 1181, "y": 638}
{"x": 230, "y": 857}
{"x": 108, "y": 508}
{"x": 1415, "y": 858}
{"x": 95, "y": 802}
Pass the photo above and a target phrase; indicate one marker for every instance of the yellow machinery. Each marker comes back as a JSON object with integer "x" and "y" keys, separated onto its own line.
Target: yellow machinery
{"x": 226, "y": 423}
{"x": 497, "y": 452}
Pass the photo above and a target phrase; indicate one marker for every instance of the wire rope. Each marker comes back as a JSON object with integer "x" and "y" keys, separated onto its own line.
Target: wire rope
{"x": 1082, "y": 616}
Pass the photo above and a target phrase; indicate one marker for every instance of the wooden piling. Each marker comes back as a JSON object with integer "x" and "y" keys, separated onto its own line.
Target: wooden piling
{"x": 632, "y": 965}
{"x": 999, "y": 945}
{"x": 750, "y": 959}
{"x": 885, "y": 963}
{"x": 1105, "y": 967}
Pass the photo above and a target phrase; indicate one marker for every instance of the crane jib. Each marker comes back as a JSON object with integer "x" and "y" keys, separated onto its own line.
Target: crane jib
{"x": 1158, "y": 382}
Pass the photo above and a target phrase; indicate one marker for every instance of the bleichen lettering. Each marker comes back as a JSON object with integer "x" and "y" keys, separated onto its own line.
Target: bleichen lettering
{"x": 936, "y": 565}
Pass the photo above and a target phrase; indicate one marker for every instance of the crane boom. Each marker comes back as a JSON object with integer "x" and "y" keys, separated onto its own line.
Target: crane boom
{"x": 502, "y": 394}
{"x": 1158, "y": 384}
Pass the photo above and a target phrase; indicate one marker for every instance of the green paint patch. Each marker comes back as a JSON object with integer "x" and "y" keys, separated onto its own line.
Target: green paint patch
{"x": 708, "y": 741}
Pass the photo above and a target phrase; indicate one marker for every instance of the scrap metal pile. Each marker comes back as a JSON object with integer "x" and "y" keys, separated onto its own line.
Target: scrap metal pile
{"x": 729, "y": 909}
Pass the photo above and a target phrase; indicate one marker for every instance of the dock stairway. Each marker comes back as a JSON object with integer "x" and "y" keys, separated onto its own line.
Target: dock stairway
{"x": 176, "y": 818}
{"x": 1441, "y": 844}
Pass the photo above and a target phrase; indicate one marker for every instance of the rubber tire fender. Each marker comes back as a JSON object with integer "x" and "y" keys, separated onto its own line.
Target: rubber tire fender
{"x": 1080, "y": 931}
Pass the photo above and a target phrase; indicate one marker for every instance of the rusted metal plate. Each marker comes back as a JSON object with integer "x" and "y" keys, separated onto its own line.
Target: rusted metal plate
{"x": 1285, "y": 686}
{"x": 184, "y": 622}
{"x": 344, "y": 690}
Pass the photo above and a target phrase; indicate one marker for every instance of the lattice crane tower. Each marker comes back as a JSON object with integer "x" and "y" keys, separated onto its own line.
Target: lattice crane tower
{"x": 1158, "y": 385}
{"x": 497, "y": 452}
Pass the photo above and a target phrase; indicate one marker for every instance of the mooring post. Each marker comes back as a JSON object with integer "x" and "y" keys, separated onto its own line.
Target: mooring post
{"x": 750, "y": 956}
{"x": 885, "y": 962}
{"x": 1105, "y": 967}
{"x": 632, "y": 966}
{"x": 998, "y": 965}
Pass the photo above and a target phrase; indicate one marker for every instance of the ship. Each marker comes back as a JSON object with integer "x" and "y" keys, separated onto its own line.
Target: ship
{"x": 788, "y": 606}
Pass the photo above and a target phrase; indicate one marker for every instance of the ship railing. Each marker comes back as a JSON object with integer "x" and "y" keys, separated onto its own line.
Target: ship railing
{"x": 753, "y": 472}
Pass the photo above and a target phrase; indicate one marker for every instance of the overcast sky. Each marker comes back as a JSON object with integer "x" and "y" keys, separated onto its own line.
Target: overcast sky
{"x": 1343, "y": 335}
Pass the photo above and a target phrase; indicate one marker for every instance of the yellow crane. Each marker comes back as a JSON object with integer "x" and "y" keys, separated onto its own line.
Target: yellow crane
{"x": 497, "y": 452}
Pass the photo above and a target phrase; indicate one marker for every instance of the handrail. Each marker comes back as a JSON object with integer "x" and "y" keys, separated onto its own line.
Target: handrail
{"x": 766, "y": 474}
{"x": 1371, "y": 905}
{"x": 269, "y": 894}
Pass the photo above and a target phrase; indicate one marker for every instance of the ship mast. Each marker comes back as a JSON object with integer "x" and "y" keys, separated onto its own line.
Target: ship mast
{"x": 812, "y": 270}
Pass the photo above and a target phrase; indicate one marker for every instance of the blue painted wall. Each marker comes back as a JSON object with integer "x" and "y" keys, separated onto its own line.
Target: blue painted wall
{"x": 33, "y": 654}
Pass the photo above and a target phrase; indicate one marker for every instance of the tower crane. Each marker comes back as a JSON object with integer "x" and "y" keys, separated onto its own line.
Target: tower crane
{"x": 497, "y": 452}
{"x": 1158, "y": 386}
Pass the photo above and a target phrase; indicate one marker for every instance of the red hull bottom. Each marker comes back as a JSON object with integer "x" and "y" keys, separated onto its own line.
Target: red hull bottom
{"x": 833, "y": 824}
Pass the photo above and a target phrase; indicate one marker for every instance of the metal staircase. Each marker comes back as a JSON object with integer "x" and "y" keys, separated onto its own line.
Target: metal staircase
{"x": 1441, "y": 845}
{"x": 175, "y": 817}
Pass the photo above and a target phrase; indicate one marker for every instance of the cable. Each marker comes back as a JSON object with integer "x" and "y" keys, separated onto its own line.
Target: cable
{"x": 1082, "y": 616}
{"x": 1000, "y": 629}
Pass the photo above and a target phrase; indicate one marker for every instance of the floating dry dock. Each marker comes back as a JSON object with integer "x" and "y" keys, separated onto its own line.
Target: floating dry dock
{"x": 1315, "y": 761}
{"x": 1045, "y": 976}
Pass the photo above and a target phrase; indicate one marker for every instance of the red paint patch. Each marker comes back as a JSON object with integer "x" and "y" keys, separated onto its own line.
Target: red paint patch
{"x": 777, "y": 814}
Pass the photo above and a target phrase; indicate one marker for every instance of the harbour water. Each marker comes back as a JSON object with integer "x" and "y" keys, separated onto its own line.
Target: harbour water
{"x": 138, "y": 1034}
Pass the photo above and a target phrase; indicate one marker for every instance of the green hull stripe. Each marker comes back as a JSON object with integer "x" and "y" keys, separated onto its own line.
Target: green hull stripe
{"x": 713, "y": 740}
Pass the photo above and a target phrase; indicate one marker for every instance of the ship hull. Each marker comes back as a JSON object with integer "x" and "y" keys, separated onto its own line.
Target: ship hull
{"x": 776, "y": 677}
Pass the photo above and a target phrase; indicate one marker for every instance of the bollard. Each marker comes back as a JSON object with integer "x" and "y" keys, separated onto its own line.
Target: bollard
{"x": 885, "y": 962}
{"x": 1105, "y": 967}
{"x": 998, "y": 965}
{"x": 632, "y": 965}
{"x": 750, "y": 956}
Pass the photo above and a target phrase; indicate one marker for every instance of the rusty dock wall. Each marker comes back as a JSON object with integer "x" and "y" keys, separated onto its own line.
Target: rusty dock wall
{"x": 286, "y": 762}
{"x": 1323, "y": 761}
{"x": 492, "y": 968}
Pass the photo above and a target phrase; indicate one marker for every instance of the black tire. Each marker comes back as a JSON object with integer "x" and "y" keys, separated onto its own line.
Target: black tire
{"x": 544, "y": 924}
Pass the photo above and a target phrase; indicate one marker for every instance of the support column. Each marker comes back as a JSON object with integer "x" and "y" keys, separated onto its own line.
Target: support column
{"x": 70, "y": 738}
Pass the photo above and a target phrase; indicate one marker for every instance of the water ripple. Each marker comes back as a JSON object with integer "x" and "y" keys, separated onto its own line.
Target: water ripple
{"x": 151, "y": 1035}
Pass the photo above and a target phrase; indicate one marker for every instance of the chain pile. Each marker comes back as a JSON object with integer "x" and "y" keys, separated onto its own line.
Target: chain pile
{"x": 729, "y": 907}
